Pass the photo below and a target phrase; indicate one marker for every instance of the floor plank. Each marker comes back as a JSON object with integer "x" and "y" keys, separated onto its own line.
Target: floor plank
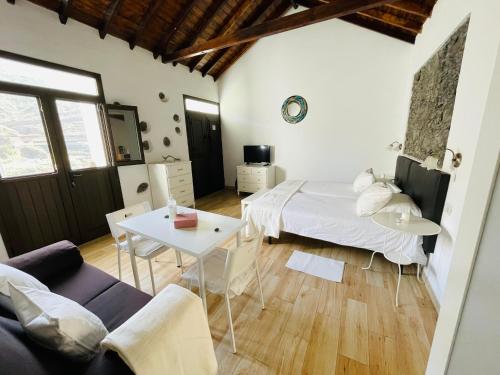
{"x": 310, "y": 325}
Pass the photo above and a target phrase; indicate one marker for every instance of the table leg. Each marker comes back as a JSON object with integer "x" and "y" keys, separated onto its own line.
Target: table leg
{"x": 201, "y": 278}
{"x": 131, "y": 252}
{"x": 371, "y": 261}
{"x": 399, "y": 282}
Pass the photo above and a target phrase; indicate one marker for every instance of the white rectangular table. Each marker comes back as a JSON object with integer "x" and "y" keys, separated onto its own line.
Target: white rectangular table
{"x": 197, "y": 242}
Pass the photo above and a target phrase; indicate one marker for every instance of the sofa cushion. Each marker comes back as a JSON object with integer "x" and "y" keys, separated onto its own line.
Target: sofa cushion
{"x": 118, "y": 303}
{"x": 81, "y": 285}
{"x": 48, "y": 261}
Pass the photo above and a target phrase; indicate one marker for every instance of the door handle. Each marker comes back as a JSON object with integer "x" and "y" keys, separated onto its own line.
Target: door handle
{"x": 72, "y": 177}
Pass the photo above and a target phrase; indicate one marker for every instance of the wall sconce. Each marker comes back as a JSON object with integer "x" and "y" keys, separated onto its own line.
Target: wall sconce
{"x": 395, "y": 146}
{"x": 456, "y": 159}
{"x": 431, "y": 162}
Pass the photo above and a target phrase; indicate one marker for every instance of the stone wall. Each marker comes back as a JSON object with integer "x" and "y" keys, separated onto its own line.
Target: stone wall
{"x": 433, "y": 99}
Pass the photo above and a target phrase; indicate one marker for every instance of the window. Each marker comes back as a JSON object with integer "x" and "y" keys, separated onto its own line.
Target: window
{"x": 14, "y": 71}
{"x": 201, "y": 106}
{"x": 24, "y": 148}
{"x": 82, "y": 134}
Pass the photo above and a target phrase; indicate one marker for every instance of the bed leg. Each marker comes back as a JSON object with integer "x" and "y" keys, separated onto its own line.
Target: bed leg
{"x": 269, "y": 240}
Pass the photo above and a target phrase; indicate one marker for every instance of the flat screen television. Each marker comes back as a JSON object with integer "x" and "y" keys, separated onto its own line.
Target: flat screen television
{"x": 257, "y": 154}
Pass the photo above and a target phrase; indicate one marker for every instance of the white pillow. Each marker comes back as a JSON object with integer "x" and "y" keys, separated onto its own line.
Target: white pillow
{"x": 400, "y": 203}
{"x": 394, "y": 188}
{"x": 373, "y": 199}
{"x": 363, "y": 180}
{"x": 16, "y": 277}
{"x": 57, "y": 322}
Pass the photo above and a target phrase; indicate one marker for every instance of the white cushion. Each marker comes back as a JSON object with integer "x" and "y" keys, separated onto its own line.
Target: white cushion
{"x": 401, "y": 203}
{"x": 16, "y": 277}
{"x": 58, "y": 323}
{"x": 373, "y": 199}
{"x": 363, "y": 180}
{"x": 394, "y": 188}
{"x": 143, "y": 247}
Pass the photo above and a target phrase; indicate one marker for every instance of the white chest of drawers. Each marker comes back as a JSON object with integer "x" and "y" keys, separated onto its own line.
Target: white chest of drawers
{"x": 171, "y": 180}
{"x": 252, "y": 178}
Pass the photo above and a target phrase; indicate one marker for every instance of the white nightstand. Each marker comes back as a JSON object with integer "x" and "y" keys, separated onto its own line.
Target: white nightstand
{"x": 418, "y": 226}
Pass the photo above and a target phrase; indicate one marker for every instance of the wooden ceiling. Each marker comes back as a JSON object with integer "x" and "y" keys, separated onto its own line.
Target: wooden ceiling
{"x": 210, "y": 35}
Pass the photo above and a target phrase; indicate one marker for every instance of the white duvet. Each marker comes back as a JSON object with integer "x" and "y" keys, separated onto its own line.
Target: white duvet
{"x": 334, "y": 219}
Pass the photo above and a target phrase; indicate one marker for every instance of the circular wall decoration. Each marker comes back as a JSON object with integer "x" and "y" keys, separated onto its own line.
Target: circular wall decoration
{"x": 144, "y": 126}
{"x": 294, "y": 109}
{"x": 178, "y": 130}
{"x": 166, "y": 141}
{"x": 177, "y": 118}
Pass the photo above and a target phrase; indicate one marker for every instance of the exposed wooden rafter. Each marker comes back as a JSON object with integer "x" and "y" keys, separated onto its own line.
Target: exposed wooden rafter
{"x": 224, "y": 27}
{"x": 278, "y": 12}
{"x": 108, "y": 17}
{"x": 282, "y": 24}
{"x": 202, "y": 24}
{"x": 215, "y": 33}
{"x": 64, "y": 8}
{"x": 153, "y": 7}
{"x": 170, "y": 31}
{"x": 254, "y": 18}
{"x": 385, "y": 19}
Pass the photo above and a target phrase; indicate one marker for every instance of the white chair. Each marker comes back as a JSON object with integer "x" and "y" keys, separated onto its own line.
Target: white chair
{"x": 144, "y": 248}
{"x": 228, "y": 272}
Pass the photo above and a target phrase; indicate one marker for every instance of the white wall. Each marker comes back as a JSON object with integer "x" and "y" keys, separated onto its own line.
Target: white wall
{"x": 476, "y": 192}
{"x": 129, "y": 77}
{"x": 357, "y": 86}
{"x": 472, "y": 92}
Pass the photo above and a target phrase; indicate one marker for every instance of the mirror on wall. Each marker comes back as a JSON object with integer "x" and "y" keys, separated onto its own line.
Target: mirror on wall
{"x": 125, "y": 134}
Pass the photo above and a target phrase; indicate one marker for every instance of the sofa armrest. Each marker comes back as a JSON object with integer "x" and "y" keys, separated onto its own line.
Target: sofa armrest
{"x": 48, "y": 261}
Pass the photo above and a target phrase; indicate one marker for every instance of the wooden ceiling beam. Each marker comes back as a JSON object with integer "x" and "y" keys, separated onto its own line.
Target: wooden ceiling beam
{"x": 398, "y": 22}
{"x": 170, "y": 31}
{"x": 278, "y": 12}
{"x": 203, "y": 23}
{"x": 253, "y": 19}
{"x": 381, "y": 27}
{"x": 413, "y": 7}
{"x": 226, "y": 25}
{"x": 153, "y": 7}
{"x": 64, "y": 8}
{"x": 279, "y": 25}
{"x": 108, "y": 17}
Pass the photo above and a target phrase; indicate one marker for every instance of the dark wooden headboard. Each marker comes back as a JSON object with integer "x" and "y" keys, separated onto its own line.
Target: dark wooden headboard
{"x": 427, "y": 188}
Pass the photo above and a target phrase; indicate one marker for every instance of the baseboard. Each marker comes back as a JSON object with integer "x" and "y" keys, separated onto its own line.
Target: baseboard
{"x": 230, "y": 188}
{"x": 434, "y": 299}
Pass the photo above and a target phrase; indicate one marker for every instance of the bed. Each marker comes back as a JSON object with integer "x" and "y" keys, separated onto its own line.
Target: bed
{"x": 327, "y": 211}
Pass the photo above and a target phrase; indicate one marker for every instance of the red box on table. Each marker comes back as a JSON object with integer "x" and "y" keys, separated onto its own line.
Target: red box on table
{"x": 186, "y": 220}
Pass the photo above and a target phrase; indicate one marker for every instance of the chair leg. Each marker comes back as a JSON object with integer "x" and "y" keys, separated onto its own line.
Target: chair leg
{"x": 178, "y": 257}
{"x": 229, "y": 317}
{"x": 152, "y": 276}
{"x": 260, "y": 286}
{"x": 119, "y": 264}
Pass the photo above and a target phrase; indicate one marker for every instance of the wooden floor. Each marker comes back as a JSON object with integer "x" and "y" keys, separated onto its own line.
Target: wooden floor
{"x": 310, "y": 325}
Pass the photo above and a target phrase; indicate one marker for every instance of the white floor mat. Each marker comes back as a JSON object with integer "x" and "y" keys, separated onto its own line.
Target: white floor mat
{"x": 326, "y": 268}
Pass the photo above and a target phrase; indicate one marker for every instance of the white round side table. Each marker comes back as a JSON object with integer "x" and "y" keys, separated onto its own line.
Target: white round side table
{"x": 417, "y": 226}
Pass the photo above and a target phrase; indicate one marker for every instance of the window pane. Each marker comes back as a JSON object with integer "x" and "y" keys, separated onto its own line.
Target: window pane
{"x": 24, "y": 149}
{"x": 200, "y": 106}
{"x": 82, "y": 134}
{"x": 28, "y": 74}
